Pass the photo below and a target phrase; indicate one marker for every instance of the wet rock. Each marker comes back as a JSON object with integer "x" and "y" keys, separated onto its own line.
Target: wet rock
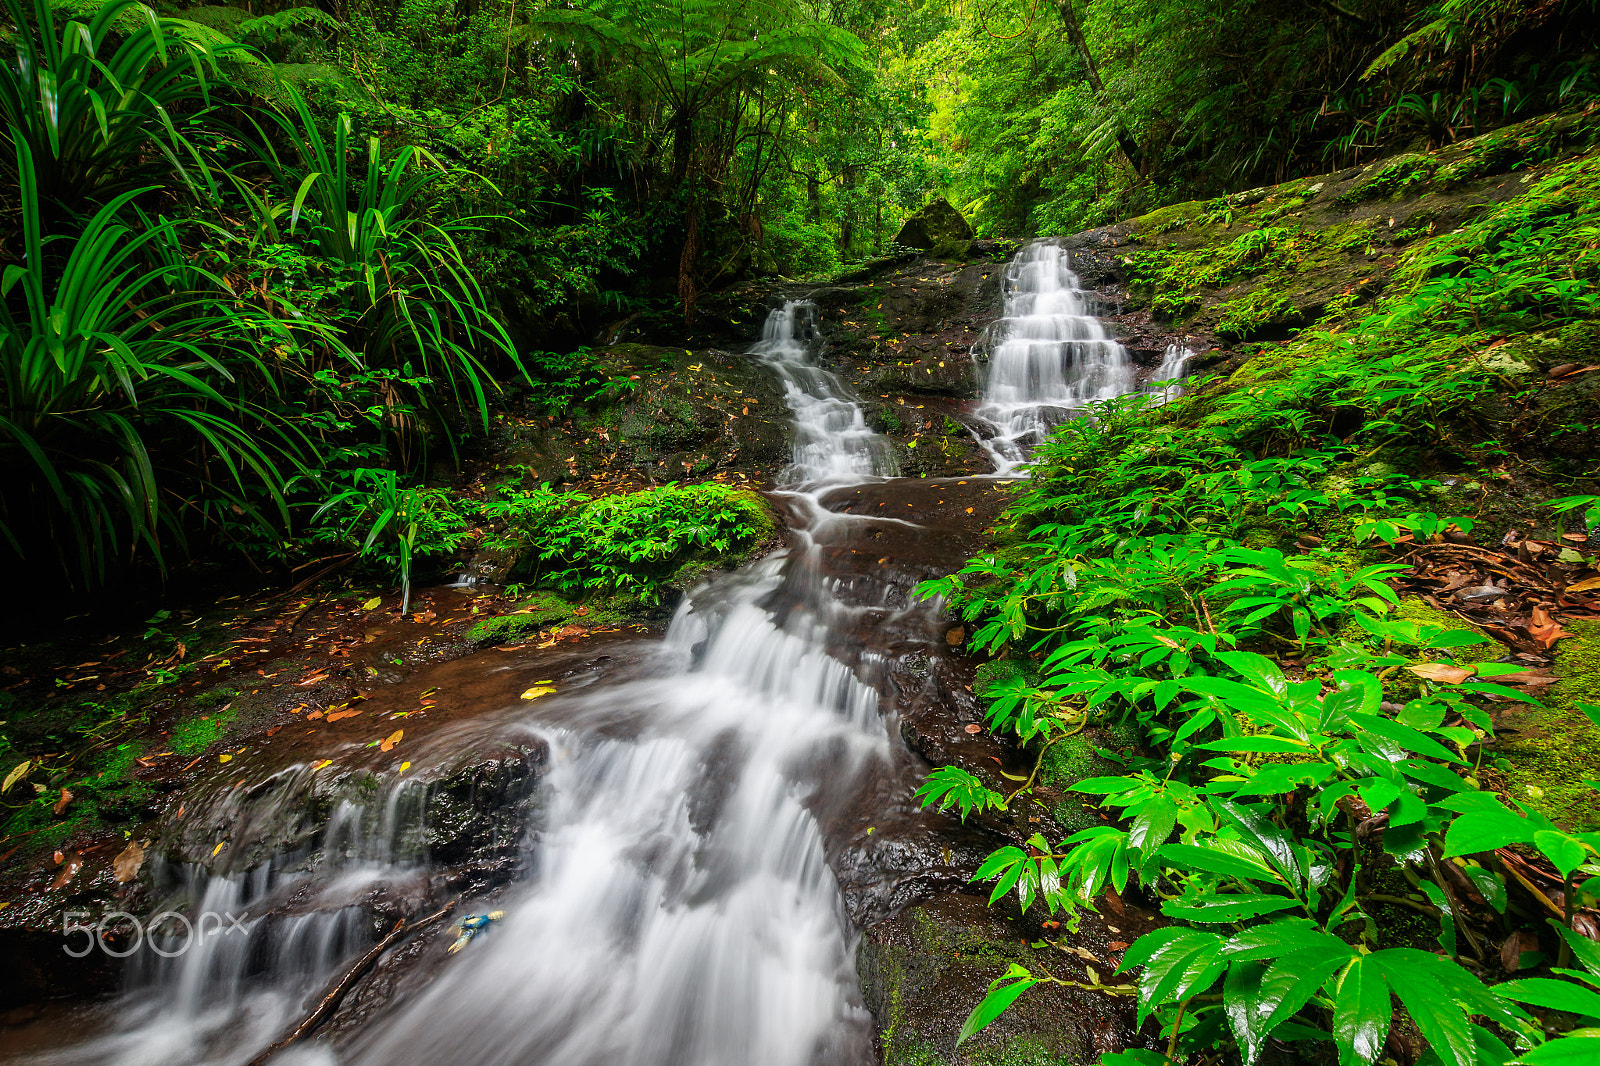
{"x": 923, "y": 971}
{"x": 674, "y": 414}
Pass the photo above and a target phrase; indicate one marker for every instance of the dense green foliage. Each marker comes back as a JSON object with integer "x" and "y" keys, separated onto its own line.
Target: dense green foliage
{"x": 326, "y": 240}
{"x": 1210, "y": 571}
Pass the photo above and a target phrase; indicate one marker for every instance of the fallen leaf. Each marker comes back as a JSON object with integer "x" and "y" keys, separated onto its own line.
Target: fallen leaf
{"x": 225, "y": 757}
{"x": 404, "y": 767}
{"x": 1544, "y": 629}
{"x": 126, "y": 865}
{"x": 61, "y": 804}
{"x": 324, "y": 762}
{"x": 954, "y": 636}
{"x": 16, "y": 774}
{"x": 1515, "y": 946}
{"x": 537, "y": 691}
{"x": 334, "y": 717}
{"x": 391, "y": 740}
{"x": 974, "y": 728}
{"x": 372, "y": 604}
{"x": 1586, "y": 585}
{"x": 218, "y": 848}
{"x": 71, "y": 863}
{"x": 1450, "y": 675}
{"x": 969, "y": 510}
{"x": 314, "y": 715}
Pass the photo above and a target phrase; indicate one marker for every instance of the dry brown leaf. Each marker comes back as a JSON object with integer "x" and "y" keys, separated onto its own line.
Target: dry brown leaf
{"x": 1516, "y": 945}
{"x": 974, "y": 728}
{"x": 126, "y": 865}
{"x": 61, "y": 804}
{"x": 1588, "y": 584}
{"x": 1545, "y": 629}
{"x": 336, "y": 715}
{"x": 955, "y": 636}
{"x": 1450, "y": 675}
{"x": 391, "y": 740}
{"x": 1526, "y": 678}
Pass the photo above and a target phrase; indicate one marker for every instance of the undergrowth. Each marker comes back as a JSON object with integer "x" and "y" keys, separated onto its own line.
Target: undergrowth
{"x": 1209, "y": 573}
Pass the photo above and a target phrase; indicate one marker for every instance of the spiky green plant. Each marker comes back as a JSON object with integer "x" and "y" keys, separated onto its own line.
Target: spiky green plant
{"x": 121, "y": 421}
{"x": 101, "y": 108}
{"x": 415, "y": 302}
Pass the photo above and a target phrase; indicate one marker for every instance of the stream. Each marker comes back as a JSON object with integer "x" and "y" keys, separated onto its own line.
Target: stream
{"x": 711, "y": 824}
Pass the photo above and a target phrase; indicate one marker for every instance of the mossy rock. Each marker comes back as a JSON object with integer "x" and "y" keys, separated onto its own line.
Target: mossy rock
{"x": 551, "y": 610}
{"x": 923, "y": 971}
{"x": 1551, "y": 751}
{"x": 934, "y": 225}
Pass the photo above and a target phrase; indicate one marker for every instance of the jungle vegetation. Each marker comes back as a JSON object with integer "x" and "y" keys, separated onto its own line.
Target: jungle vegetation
{"x": 269, "y": 268}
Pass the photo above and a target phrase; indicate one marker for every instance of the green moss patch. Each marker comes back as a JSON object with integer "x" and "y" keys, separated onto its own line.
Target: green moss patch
{"x": 1549, "y": 751}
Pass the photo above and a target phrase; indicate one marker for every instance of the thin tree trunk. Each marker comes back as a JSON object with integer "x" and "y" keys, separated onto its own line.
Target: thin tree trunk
{"x": 1069, "y": 19}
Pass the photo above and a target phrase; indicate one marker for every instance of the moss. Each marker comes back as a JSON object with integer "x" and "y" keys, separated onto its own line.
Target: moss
{"x": 551, "y": 610}
{"x": 1167, "y": 219}
{"x": 1393, "y": 180}
{"x": 1069, "y": 761}
{"x": 1555, "y": 748}
{"x": 197, "y": 734}
{"x": 1268, "y": 366}
{"x": 1414, "y": 609}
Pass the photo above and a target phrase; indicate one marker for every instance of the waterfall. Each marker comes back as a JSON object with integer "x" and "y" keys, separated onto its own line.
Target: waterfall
{"x": 678, "y": 909}
{"x": 1174, "y": 368}
{"x": 1048, "y": 355}
{"x": 832, "y": 441}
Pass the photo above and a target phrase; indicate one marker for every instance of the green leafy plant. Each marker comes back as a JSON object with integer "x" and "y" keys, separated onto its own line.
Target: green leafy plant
{"x": 120, "y": 393}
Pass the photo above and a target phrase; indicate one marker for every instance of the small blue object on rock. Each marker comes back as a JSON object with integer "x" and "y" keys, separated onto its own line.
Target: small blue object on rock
{"x": 471, "y": 926}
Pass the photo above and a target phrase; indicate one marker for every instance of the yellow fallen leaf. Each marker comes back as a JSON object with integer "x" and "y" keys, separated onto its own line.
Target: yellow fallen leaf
{"x": 1585, "y": 585}
{"x": 224, "y": 757}
{"x": 391, "y": 740}
{"x": 404, "y": 767}
{"x": 373, "y": 604}
{"x": 15, "y": 775}
{"x": 324, "y": 762}
{"x": 218, "y": 848}
{"x": 538, "y": 690}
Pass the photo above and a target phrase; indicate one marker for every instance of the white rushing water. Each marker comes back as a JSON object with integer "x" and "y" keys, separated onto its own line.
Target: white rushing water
{"x": 832, "y": 442}
{"x": 1048, "y": 357}
{"x": 680, "y": 910}
{"x": 1174, "y": 368}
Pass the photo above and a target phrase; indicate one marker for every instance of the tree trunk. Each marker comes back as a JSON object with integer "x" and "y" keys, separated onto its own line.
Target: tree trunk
{"x": 1069, "y": 19}
{"x": 682, "y": 144}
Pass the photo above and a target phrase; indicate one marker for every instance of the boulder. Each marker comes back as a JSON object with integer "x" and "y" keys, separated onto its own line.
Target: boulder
{"x": 937, "y": 223}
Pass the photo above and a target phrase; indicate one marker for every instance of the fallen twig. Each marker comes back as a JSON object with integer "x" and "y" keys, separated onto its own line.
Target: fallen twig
{"x": 331, "y": 999}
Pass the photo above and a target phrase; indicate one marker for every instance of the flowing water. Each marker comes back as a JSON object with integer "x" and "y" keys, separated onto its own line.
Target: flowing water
{"x": 675, "y": 906}
{"x": 679, "y": 909}
{"x": 1048, "y": 355}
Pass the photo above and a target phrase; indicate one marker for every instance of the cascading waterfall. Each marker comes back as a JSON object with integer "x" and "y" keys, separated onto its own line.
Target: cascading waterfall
{"x": 1174, "y": 368}
{"x": 832, "y": 441}
{"x": 1049, "y": 355}
{"x": 679, "y": 909}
